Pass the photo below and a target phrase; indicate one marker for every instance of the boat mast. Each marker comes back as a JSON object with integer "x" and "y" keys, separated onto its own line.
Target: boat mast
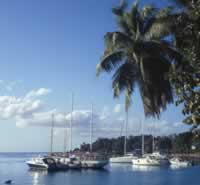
{"x": 153, "y": 141}
{"x": 125, "y": 137}
{"x": 91, "y": 128}
{"x": 121, "y": 129}
{"x": 52, "y": 131}
{"x": 65, "y": 138}
{"x": 142, "y": 130}
{"x": 71, "y": 120}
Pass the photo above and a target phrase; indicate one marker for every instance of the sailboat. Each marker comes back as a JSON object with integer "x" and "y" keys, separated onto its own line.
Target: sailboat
{"x": 157, "y": 155}
{"x": 90, "y": 159}
{"x": 148, "y": 159}
{"x": 70, "y": 161}
{"x": 126, "y": 158}
{"x": 42, "y": 162}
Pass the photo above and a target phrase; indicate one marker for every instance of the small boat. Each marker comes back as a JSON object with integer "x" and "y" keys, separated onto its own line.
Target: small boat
{"x": 179, "y": 163}
{"x": 37, "y": 163}
{"x": 8, "y": 182}
{"x": 158, "y": 156}
{"x": 146, "y": 161}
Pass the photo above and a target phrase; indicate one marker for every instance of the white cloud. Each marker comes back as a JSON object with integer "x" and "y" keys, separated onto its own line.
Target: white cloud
{"x": 117, "y": 108}
{"x": 104, "y": 113}
{"x": 38, "y": 92}
{"x": 30, "y": 110}
{"x": 12, "y": 107}
{"x": 159, "y": 127}
{"x": 81, "y": 119}
{"x": 109, "y": 127}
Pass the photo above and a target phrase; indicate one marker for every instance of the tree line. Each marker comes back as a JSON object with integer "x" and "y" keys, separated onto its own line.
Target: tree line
{"x": 187, "y": 142}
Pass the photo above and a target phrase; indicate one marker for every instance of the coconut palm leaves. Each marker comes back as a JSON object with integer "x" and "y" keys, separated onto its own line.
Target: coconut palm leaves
{"x": 139, "y": 55}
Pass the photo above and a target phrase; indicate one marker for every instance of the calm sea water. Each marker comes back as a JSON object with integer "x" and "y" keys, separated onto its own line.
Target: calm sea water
{"x": 12, "y": 166}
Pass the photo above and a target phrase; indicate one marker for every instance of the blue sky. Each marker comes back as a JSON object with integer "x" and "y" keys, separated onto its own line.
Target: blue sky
{"x": 48, "y": 49}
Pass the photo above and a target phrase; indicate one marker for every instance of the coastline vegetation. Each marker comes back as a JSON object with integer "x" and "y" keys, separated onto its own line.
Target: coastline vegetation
{"x": 186, "y": 142}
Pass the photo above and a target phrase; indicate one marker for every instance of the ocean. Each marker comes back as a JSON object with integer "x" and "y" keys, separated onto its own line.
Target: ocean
{"x": 13, "y": 166}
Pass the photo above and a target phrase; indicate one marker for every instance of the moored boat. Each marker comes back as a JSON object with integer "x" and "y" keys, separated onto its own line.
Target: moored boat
{"x": 37, "y": 163}
{"x": 160, "y": 157}
{"x": 179, "y": 163}
{"x": 122, "y": 159}
{"x": 146, "y": 161}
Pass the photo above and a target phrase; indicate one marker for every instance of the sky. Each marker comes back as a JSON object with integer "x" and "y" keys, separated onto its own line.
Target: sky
{"x": 49, "y": 49}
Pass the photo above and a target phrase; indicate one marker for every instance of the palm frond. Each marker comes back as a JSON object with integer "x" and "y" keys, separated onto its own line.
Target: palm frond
{"x": 148, "y": 12}
{"x": 160, "y": 25}
{"x": 171, "y": 52}
{"x": 108, "y": 40}
{"x": 128, "y": 99}
{"x": 119, "y": 10}
{"x": 121, "y": 40}
{"x": 165, "y": 12}
{"x": 133, "y": 17}
{"x": 125, "y": 77}
{"x": 156, "y": 48}
{"x": 155, "y": 88}
{"x": 123, "y": 26}
{"x": 109, "y": 62}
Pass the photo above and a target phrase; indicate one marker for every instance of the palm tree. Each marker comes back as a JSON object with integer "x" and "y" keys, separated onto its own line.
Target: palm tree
{"x": 141, "y": 55}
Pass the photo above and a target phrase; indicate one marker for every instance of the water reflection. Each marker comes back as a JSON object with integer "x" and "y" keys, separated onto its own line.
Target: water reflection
{"x": 119, "y": 166}
{"x": 175, "y": 167}
{"x": 145, "y": 168}
{"x": 36, "y": 174}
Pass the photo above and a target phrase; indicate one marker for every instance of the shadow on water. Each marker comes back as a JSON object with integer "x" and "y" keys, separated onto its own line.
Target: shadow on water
{"x": 40, "y": 172}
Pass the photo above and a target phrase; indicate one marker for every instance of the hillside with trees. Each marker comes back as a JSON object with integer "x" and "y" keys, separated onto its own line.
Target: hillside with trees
{"x": 186, "y": 142}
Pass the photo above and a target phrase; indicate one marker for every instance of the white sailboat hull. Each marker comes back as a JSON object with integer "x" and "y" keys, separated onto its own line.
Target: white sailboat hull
{"x": 122, "y": 159}
{"x": 146, "y": 162}
{"x": 178, "y": 163}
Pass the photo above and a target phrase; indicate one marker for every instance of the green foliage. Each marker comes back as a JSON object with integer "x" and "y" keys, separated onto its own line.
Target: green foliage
{"x": 182, "y": 143}
{"x": 139, "y": 55}
{"x": 116, "y": 145}
{"x": 179, "y": 143}
{"x": 186, "y": 79}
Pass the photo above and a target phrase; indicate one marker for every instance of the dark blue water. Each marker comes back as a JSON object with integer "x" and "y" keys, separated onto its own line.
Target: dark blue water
{"x": 12, "y": 166}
